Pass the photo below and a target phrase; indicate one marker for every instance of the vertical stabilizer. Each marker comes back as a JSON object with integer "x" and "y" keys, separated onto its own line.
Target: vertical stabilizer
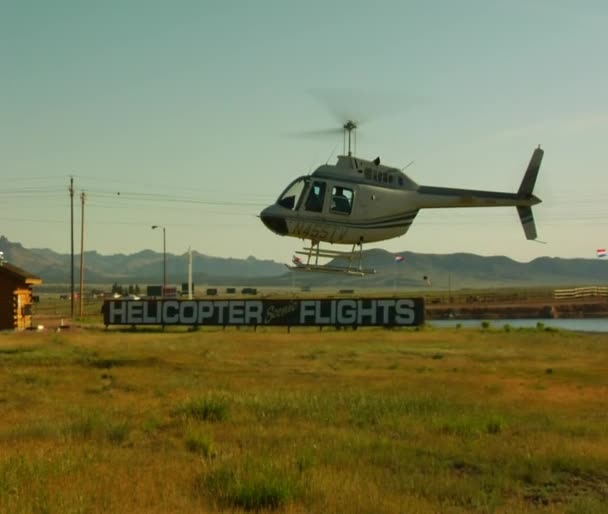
{"x": 529, "y": 180}
{"x": 527, "y": 221}
{"x": 525, "y": 192}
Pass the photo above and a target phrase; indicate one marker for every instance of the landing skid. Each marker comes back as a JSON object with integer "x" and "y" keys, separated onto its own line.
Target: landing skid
{"x": 314, "y": 252}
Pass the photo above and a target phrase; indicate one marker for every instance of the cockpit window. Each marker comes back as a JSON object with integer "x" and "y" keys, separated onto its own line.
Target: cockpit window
{"x": 341, "y": 200}
{"x": 291, "y": 196}
{"x": 314, "y": 202}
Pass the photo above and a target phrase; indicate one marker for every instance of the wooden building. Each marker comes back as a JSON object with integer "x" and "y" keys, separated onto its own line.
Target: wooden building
{"x": 16, "y": 297}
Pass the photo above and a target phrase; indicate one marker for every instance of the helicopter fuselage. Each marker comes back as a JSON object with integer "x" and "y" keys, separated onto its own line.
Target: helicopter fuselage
{"x": 358, "y": 201}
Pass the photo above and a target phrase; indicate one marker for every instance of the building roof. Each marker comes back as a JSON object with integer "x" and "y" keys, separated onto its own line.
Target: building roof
{"x": 13, "y": 270}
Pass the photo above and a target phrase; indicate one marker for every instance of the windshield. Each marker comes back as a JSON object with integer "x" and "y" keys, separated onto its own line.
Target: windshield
{"x": 291, "y": 196}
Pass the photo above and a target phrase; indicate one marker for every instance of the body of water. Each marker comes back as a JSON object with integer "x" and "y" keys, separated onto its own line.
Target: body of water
{"x": 584, "y": 325}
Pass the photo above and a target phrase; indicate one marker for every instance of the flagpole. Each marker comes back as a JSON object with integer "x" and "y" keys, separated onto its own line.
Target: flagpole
{"x": 395, "y": 276}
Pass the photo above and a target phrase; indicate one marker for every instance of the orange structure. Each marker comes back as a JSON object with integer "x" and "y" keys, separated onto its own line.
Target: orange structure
{"x": 16, "y": 297}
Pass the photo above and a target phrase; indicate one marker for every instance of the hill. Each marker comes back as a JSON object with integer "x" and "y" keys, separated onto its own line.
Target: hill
{"x": 455, "y": 271}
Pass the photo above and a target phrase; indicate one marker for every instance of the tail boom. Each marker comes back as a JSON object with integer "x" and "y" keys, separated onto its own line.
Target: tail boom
{"x": 430, "y": 197}
{"x": 440, "y": 197}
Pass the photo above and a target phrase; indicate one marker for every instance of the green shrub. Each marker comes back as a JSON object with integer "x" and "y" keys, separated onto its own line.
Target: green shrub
{"x": 151, "y": 424}
{"x": 96, "y": 425}
{"x": 200, "y": 443}
{"x": 209, "y": 408}
{"x": 305, "y": 461}
{"x": 39, "y": 429}
{"x": 85, "y": 425}
{"x": 586, "y": 505}
{"x": 254, "y": 487}
{"x": 118, "y": 432}
{"x": 262, "y": 493}
{"x": 494, "y": 427}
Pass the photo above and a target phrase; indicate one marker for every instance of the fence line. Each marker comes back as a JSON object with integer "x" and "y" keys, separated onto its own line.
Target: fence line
{"x": 581, "y": 292}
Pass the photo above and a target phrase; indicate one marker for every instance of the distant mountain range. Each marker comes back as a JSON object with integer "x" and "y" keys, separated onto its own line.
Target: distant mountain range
{"x": 456, "y": 271}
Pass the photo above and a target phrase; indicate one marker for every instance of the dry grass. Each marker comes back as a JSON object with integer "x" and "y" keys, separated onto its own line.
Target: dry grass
{"x": 369, "y": 421}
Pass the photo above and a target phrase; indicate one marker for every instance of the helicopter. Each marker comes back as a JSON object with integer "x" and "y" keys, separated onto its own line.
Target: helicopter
{"x": 359, "y": 201}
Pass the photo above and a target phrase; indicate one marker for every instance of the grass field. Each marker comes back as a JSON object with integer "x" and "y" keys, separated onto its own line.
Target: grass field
{"x": 372, "y": 421}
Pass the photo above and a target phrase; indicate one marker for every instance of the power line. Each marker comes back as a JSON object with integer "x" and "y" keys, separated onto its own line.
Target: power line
{"x": 159, "y": 197}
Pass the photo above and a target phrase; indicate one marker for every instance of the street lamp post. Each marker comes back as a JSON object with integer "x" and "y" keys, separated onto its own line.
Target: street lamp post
{"x": 164, "y": 256}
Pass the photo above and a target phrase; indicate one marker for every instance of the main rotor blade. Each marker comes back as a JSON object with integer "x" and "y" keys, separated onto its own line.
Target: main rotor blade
{"x": 316, "y": 133}
{"x": 364, "y": 106}
{"x": 345, "y": 104}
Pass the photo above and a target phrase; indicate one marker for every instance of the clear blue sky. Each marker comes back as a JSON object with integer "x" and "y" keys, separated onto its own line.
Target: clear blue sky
{"x": 185, "y": 108}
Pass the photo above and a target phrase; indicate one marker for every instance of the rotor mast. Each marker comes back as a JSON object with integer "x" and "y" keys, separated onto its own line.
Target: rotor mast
{"x": 350, "y": 127}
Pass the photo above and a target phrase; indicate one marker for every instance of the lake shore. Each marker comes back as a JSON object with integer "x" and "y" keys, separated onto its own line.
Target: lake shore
{"x": 595, "y": 307}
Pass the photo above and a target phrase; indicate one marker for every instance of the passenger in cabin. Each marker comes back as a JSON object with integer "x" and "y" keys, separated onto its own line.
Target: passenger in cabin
{"x": 339, "y": 201}
{"x": 315, "y": 198}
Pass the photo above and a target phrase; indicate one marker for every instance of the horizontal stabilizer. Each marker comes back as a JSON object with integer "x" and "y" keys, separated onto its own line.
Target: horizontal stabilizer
{"x": 527, "y": 184}
{"x": 527, "y": 221}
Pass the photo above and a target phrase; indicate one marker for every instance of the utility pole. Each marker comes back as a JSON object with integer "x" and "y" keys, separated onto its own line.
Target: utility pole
{"x": 395, "y": 276}
{"x": 82, "y": 199}
{"x": 164, "y": 260}
{"x": 164, "y": 256}
{"x": 189, "y": 273}
{"x": 72, "y": 247}
{"x": 450, "y": 285}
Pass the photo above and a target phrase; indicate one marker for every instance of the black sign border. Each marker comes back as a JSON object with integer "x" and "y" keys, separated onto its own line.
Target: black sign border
{"x": 286, "y": 312}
